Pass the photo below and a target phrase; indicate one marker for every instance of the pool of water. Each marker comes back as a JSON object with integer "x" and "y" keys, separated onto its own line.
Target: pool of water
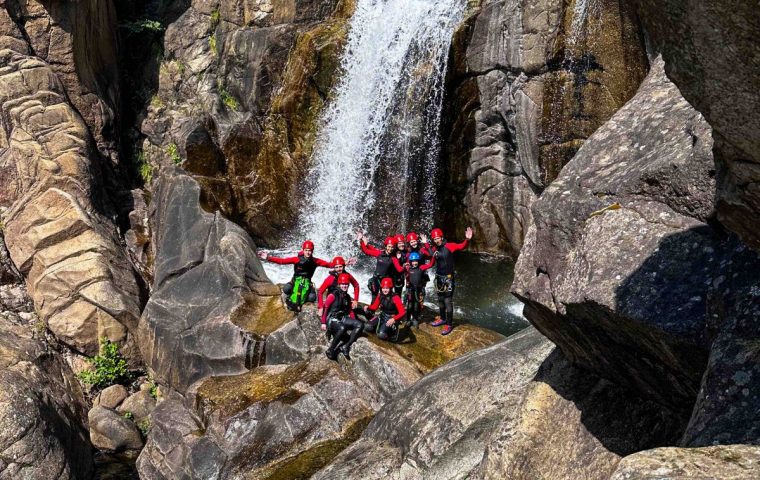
{"x": 482, "y": 296}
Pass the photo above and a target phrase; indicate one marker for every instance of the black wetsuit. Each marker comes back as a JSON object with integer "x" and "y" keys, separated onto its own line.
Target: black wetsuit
{"x": 415, "y": 293}
{"x": 444, "y": 278}
{"x": 344, "y": 329}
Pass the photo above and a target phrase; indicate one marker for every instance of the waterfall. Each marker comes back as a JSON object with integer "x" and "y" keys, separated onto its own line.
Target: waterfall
{"x": 375, "y": 158}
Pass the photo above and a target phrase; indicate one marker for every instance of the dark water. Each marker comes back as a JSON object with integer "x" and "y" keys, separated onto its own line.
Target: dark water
{"x": 117, "y": 466}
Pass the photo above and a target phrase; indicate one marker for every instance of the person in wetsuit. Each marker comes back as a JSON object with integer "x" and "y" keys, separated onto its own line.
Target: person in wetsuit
{"x": 391, "y": 312}
{"x": 299, "y": 290}
{"x": 414, "y": 245}
{"x": 399, "y": 278}
{"x": 387, "y": 263}
{"x": 443, "y": 252}
{"x": 416, "y": 281}
{"x": 338, "y": 318}
{"x": 331, "y": 283}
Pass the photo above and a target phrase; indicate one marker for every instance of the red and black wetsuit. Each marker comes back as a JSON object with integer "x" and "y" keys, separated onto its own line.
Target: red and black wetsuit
{"x": 331, "y": 284}
{"x": 387, "y": 266}
{"x": 340, "y": 320}
{"x": 444, "y": 277}
{"x": 302, "y": 267}
{"x": 390, "y": 306}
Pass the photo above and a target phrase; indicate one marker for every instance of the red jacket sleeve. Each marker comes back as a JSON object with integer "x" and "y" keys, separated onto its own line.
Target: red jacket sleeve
{"x": 428, "y": 265}
{"x": 426, "y": 251}
{"x": 323, "y": 263}
{"x": 283, "y": 261}
{"x": 325, "y": 285}
{"x": 454, "y": 247}
{"x": 369, "y": 249}
{"x": 376, "y": 304}
{"x": 397, "y": 265}
{"x": 399, "y": 306}
{"x": 328, "y": 302}
{"x": 356, "y": 288}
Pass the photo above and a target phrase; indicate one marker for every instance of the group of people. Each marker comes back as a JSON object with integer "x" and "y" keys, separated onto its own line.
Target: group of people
{"x": 402, "y": 262}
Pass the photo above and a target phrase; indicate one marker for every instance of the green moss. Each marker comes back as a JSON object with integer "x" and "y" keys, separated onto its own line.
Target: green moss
{"x": 142, "y": 26}
{"x": 212, "y": 44}
{"x": 214, "y": 20}
{"x": 173, "y": 153}
{"x": 310, "y": 461}
{"x": 144, "y": 168}
{"x": 128, "y": 415}
{"x": 144, "y": 426}
{"x": 227, "y": 99}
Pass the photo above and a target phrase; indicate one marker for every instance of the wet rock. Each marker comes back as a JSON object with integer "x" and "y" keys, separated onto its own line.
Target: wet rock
{"x": 289, "y": 419}
{"x": 111, "y": 397}
{"x": 721, "y": 55}
{"x": 487, "y": 414}
{"x": 140, "y": 404}
{"x": 730, "y": 462}
{"x": 111, "y": 431}
{"x": 530, "y": 81}
{"x": 56, "y": 225}
{"x": 208, "y": 287}
{"x": 617, "y": 268}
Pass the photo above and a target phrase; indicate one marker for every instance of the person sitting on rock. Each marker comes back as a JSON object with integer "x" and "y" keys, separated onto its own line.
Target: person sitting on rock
{"x": 330, "y": 284}
{"x": 399, "y": 278}
{"x": 391, "y": 312}
{"x": 387, "y": 263}
{"x": 339, "y": 320}
{"x": 443, "y": 252}
{"x": 417, "y": 279}
{"x": 299, "y": 290}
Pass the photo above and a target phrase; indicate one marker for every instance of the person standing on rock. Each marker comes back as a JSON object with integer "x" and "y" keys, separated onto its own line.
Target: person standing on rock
{"x": 443, "y": 252}
{"x": 391, "y": 312}
{"x": 414, "y": 245}
{"x": 331, "y": 284}
{"x": 339, "y": 320}
{"x": 417, "y": 279}
{"x": 299, "y": 290}
{"x": 387, "y": 263}
{"x": 399, "y": 279}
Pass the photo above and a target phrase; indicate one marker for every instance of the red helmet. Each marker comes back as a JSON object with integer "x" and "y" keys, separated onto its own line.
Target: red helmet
{"x": 399, "y": 238}
{"x": 389, "y": 241}
{"x": 412, "y": 236}
{"x": 436, "y": 233}
{"x": 386, "y": 283}
{"x": 344, "y": 279}
{"x": 338, "y": 261}
{"x": 308, "y": 244}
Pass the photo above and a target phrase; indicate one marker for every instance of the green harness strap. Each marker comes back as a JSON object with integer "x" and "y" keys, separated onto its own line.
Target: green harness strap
{"x": 301, "y": 286}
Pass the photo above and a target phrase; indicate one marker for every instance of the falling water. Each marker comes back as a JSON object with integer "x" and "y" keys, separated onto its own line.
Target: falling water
{"x": 375, "y": 157}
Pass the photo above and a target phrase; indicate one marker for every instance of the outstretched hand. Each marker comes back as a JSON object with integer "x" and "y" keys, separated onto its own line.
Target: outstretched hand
{"x": 360, "y": 235}
{"x": 424, "y": 238}
{"x": 351, "y": 261}
{"x": 468, "y": 233}
{"x": 263, "y": 255}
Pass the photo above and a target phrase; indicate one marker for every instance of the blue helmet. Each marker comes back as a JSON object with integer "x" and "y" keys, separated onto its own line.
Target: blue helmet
{"x": 414, "y": 257}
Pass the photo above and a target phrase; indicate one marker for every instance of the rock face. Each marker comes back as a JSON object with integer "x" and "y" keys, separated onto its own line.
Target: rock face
{"x": 240, "y": 88}
{"x": 691, "y": 37}
{"x": 208, "y": 283}
{"x": 111, "y": 431}
{"x": 290, "y": 417}
{"x": 730, "y": 462}
{"x": 487, "y": 414}
{"x": 41, "y": 405}
{"x": 55, "y": 223}
{"x": 618, "y": 267}
{"x": 530, "y": 81}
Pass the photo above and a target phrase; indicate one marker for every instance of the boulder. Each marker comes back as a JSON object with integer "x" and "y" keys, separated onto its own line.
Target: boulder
{"x": 711, "y": 53}
{"x": 111, "y": 431}
{"x": 289, "y": 419}
{"x": 56, "y": 224}
{"x": 208, "y": 310}
{"x": 529, "y": 82}
{"x": 488, "y": 414}
{"x": 618, "y": 268}
{"x": 729, "y": 462}
{"x": 140, "y": 404}
{"x": 111, "y": 397}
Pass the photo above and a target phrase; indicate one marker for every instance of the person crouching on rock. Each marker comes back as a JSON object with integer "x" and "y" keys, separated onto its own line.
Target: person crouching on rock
{"x": 299, "y": 290}
{"x": 387, "y": 263}
{"x": 417, "y": 279}
{"x": 339, "y": 320}
{"x": 443, "y": 252}
{"x": 330, "y": 285}
{"x": 391, "y": 312}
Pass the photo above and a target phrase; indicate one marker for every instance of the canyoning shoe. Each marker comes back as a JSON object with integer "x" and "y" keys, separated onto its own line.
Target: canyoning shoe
{"x": 447, "y": 329}
{"x": 346, "y": 352}
{"x": 331, "y": 354}
{"x": 438, "y": 322}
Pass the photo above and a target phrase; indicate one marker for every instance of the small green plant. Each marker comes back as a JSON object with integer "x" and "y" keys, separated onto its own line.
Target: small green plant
{"x": 173, "y": 152}
{"x": 144, "y": 168}
{"x": 109, "y": 367}
{"x": 129, "y": 415}
{"x": 216, "y": 17}
{"x": 144, "y": 25}
{"x": 156, "y": 102}
{"x": 39, "y": 326}
{"x": 144, "y": 426}
{"x": 212, "y": 44}
{"x": 227, "y": 99}
{"x": 180, "y": 66}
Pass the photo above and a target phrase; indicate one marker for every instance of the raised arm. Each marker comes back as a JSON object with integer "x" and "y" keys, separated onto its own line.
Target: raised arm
{"x": 428, "y": 265}
{"x": 370, "y": 250}
{"x": 397, "y": 265}
{"x": 323, "y": 263}
{"x": 278, "y": 260}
